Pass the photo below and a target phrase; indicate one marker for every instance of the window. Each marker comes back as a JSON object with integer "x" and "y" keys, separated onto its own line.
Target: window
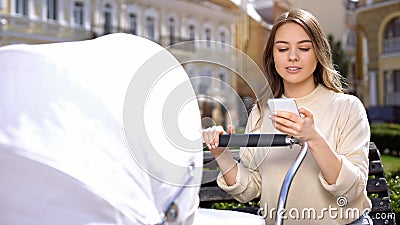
{"x": 222, "y": 81}
{"x": 21, "y": 7}
{"x": 394, "y": 81}
{"x": 351, "y": 39}
{"x": 132, "y": 23}
{"x": 208, "y": 37}
{"x": 391, "y": 42}
{"x": 150, "y": 28}
{"x": 392, "y": 87}
{"x": 107, "y": 19}
{"x": 192, "y": 32}
{"x": 52, "y": 8}
{"x": 205, "y": 81}
{"x": 222, "y": 38}
{"x": 78, "y": 13}
{"x": 393, "y": 28}
{"x": 191, "y": 70}
{"x": 171, "y": 31}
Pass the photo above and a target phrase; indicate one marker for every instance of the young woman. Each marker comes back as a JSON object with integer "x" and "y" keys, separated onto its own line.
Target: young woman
{"x": 330, "y": 186}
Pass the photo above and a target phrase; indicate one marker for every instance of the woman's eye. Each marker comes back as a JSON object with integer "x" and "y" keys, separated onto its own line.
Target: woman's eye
{"x": 304, "y": 49}
{"x": 282, "y": 49}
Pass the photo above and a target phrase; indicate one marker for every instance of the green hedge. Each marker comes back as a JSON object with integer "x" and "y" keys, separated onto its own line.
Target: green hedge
{"x": 386, "y": 136}
{"x": 235, "y": 205}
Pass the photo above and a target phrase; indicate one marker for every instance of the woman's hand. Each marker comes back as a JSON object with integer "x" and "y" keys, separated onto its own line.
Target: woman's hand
{"x": 301, "y": 127}
{"x": 224, "y": 158}
{"x": 211, "y": 138}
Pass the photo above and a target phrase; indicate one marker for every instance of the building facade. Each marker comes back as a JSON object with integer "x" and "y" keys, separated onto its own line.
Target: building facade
{"x": 330, "y": 14}
{"x": 43, "y": 21}
{"x": 379, "y": 23}
{"x": 208, "y": 29}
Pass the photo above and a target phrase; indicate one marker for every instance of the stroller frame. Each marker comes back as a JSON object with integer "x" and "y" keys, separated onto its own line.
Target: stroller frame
{"x": 270, "y": 140}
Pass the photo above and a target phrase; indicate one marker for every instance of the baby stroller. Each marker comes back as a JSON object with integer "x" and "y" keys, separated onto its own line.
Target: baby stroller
{"x": 74, "y": 136}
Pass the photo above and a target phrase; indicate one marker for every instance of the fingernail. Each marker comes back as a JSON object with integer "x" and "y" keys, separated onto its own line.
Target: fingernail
{"x": 216, "y": 145}
{"x": 209, "y": 146}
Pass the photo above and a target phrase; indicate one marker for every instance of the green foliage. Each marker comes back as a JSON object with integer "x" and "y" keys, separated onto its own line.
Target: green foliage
{"x": 386, "y": 136}
{"x": 339, "y": 56}
{"x": 386, "y": 126}
{"x": 234, "y": 205}
{"x": 390, "y": 163}
{"x": 393, "y": 180}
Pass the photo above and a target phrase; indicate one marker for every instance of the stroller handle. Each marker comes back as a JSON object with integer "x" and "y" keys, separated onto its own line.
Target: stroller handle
{"x": 255, "y": 140}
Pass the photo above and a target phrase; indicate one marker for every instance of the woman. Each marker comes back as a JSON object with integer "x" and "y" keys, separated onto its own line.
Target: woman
{"x": 330, "y": 186}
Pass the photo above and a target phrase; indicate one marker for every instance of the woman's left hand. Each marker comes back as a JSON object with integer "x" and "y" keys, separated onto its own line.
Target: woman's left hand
{"x": 301, "y": 127}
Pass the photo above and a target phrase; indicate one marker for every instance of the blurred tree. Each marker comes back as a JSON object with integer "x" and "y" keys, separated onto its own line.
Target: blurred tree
{"x": 339, "y": 57}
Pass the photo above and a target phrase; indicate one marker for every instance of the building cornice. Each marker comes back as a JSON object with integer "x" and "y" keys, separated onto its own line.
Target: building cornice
{"x": 374, "y": 6}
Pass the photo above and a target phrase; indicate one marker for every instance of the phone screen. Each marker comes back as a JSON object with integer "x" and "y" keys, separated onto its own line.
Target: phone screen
{"x": 283, "y": 104}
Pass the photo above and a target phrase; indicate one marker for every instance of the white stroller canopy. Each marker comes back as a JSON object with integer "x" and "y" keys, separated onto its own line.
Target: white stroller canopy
{"x": 70, "y": 154}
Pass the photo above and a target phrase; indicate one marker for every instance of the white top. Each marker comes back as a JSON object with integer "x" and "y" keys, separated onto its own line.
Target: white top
{"x": 311, "y": 200}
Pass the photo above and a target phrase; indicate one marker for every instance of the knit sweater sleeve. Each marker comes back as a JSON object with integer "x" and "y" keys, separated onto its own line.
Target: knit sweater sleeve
{"x": 352, "y": 147}
{"x": 248, "y": 179}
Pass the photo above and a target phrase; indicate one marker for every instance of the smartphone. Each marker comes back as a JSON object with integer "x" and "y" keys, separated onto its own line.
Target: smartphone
{"x": 283, "y": 104}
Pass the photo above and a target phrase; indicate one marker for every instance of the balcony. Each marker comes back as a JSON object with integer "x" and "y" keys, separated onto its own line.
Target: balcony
{"x": 180, "y": 44}
{"x": 99, "y": 30}
{"x": 43, "y": 30}
{"x": 391, "y": 45}
{"x": 392, "y": 98}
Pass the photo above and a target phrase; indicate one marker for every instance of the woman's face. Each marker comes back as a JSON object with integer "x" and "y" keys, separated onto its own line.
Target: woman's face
{"x": 294, "y": 55}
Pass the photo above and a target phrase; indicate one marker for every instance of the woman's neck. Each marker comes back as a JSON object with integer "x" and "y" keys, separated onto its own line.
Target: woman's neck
{"x": 298, "y": 90}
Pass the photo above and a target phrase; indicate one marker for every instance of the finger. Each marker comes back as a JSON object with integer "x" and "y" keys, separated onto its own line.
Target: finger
{"x": 289, "y": 115}
{"x": 205, "y": 138}
{"x": 210, "y": 136}
{"x": 213, "y": 135}
{"x": 306, "y": 112}
{"x": 290, "y": 127}
{"x": 287, "y": 130}
{"x": 206, "y": 134}
{"x": 215, "y": 140}
{"x": 283, "y": 121}
{"x": 231, "y": 129}
{"x": 220, "y": 129}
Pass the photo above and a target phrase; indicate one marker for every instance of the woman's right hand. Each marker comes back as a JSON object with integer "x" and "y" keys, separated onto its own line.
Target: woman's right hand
{"x": 211, "y": 138}
{"x": 225, "y": 161}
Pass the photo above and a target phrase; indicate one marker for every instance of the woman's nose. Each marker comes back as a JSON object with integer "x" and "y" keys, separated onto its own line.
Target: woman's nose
{"x": 293, "y": 55}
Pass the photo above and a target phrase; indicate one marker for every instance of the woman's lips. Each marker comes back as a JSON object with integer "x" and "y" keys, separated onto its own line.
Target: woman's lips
{"x": 293, "y": 69}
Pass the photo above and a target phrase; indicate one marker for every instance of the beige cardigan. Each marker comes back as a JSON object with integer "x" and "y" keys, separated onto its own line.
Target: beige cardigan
{"x": 311, "y": 200}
